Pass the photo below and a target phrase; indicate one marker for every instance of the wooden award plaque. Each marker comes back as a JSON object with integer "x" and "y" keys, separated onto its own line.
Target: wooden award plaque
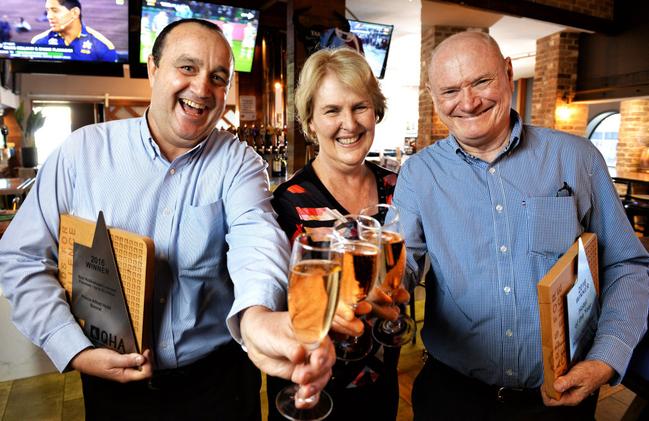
{"x": 552, "y": 290}
{"x": 134, "y": 257}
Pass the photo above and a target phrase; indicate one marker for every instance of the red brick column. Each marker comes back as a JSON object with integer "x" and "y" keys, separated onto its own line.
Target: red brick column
{"x": 633, "y": 136}
{"x": 555, "y": 77}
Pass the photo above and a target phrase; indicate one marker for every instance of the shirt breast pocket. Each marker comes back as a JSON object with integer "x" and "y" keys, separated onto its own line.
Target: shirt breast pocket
{"x": 202, "y": 239}
{"x": 553, "y": 225}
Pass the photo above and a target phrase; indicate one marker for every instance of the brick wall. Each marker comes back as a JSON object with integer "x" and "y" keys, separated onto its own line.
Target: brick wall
{"x": 633, "y": 136}
{"x": 425, "y": 122}
{"x": 555, "y": 77}
{"x": 597, "y": 8}
{"x": 429, "y": 127}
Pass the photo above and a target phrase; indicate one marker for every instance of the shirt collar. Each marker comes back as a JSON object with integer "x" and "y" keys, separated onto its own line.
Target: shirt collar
{"x": 152, "y": 148}
{"x": 84, "y": 31}
{"x": 514, "y": 138}
{"x": 149, "y": 144}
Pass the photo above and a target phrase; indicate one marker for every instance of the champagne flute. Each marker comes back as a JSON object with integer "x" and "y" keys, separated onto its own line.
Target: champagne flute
{"x": 313, "y": 289}
{"x": 358, "y": 236}
{"x": 392, "y": 268}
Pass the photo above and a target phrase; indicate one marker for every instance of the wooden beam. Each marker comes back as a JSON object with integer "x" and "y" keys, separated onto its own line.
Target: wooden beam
{"x": 532, "y": 10}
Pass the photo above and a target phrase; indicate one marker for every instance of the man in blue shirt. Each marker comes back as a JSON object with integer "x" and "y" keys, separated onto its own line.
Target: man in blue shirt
{"x": 67, "y": 30}
{"x": 483, "y": 205}
{"x": 220, "y": 257}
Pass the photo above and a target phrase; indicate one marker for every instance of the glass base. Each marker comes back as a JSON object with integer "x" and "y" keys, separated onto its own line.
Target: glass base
{"x": 394, "y": 333}
{"x": 285, "y": 402}
{"x": 353, "y": 348}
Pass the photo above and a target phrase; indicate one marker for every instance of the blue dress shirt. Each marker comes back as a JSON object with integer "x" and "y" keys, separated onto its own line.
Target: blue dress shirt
{"x": 90, "y": 45}
{"x": 218, "y": 248}
{"x": 493, "y": 230}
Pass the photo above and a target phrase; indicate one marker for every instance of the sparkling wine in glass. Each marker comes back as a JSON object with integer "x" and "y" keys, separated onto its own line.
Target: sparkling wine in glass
{"x": 358, "y": 236}
{"x": 392, "y": 269}
{"x": 313, "y": 289}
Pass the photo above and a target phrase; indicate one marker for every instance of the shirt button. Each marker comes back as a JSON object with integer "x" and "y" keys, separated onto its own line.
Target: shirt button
{"x": 492, "y": 170}
{"x": 172, "y": 171}
{"x": 503, "y": 249}
{"x": 507, "y": 290}
{"x": 162, "y": 300}
{"x": 166, "y": 212}
{"x": 509, "y": 333}
{"x": 509, "y": 372}
{"x": 499, "y": 208}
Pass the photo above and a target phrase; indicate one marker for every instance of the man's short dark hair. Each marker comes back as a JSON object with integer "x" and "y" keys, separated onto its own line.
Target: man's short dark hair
{"x": 70, "y": 4}
{"x": 159, "y": 43}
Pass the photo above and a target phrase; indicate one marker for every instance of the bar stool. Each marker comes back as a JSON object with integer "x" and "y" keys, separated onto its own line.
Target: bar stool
{"x": 637, "y": 206}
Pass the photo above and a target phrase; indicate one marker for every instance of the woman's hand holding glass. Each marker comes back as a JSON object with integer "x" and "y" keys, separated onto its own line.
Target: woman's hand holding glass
{"x": 384, "y": 306}
{"x": 359, "y": 237}
{"x": 390, "y": 331}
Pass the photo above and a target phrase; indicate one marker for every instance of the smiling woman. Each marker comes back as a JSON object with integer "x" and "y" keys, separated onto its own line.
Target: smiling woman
{"x": 339, "y": 102}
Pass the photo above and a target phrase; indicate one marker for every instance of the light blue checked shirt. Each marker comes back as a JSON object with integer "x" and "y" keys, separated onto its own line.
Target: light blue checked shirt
{"x": 218, "y": 248}
{"x": 493, "y": 230}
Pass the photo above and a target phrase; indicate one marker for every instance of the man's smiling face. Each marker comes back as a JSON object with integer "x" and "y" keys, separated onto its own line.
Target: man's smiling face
{"x": 189, "y": 87}
{"x": 471, "y": 85}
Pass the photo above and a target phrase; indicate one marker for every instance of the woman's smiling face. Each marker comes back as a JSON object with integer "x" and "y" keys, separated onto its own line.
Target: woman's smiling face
{"x": 343, "y": 122}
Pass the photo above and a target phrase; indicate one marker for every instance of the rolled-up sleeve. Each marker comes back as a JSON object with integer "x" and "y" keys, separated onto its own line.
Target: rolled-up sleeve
{"x": 258, "y": 249}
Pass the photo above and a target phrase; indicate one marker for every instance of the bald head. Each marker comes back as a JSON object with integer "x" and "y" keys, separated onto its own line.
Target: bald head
{"x": 471, "y": 85}
{"x": 457, "y": 42}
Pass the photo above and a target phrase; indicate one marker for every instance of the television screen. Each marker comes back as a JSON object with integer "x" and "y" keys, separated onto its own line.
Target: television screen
{"x": 375, "y": 38}
{"x": 238, "y": 24}
{"x": 64, "y": 30}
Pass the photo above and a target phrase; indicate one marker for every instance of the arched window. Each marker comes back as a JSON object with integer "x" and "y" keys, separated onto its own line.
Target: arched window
{"x": 603, "y": 131}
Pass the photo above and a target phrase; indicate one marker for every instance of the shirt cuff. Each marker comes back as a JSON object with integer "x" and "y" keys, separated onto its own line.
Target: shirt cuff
{"x": 274, "y": 300}
{"x": 614, "y": 352}
{"x": 64, "y": 344}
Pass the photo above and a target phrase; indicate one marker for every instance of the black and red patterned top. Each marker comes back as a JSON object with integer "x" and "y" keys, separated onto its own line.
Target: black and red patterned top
{"x": 303, "y": 202}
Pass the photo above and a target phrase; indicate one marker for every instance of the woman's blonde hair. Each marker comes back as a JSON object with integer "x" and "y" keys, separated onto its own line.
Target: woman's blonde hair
{"x": 350, "y": 68}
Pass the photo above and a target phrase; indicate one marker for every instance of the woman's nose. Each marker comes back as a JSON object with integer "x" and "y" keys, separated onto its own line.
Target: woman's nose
{"x": 348, "y": 120}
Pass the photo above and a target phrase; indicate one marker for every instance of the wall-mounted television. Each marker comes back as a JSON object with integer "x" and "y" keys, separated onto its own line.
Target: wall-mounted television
{"x": 375, "y": 38}
{"x": 82, "y": 33}
{"x": 239, "y": 25}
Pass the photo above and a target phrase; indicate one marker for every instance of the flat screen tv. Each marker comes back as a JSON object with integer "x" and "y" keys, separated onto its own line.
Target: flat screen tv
{"x": 92, "y": 36}
{"x": 375, "y": 38}
{"x": 238, "y": 24}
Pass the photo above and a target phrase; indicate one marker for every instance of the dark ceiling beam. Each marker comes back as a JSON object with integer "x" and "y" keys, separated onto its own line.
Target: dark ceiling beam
{"x": 529, "y": 9}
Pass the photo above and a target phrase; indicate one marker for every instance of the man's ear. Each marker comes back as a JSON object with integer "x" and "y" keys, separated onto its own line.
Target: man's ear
{"x": 76, "y": 12}
{"x": 510, "y": 72}
{"x": 152, "y": 69}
